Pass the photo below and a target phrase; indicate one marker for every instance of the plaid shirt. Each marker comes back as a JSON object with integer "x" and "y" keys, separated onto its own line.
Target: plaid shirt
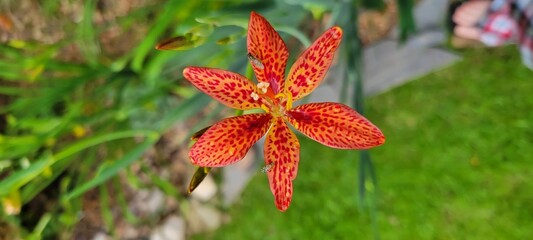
{"x": 510, "y": 21}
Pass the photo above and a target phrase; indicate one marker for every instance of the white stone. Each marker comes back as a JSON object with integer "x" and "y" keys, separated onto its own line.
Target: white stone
{"x": 206, "y": 190}
{"x": 147, "y": 201}
{"x": 129, "y": 231}
{"x": 101, "y": 236}
{"x": 172, "y": 229}
{"x": 202, "y": 217}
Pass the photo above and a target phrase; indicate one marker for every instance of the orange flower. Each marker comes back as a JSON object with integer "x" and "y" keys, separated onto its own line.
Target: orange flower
{"x": 331, "y": 124}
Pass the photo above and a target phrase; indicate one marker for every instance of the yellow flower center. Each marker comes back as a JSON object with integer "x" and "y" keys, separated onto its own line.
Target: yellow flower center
{"x": 276, "y": 105}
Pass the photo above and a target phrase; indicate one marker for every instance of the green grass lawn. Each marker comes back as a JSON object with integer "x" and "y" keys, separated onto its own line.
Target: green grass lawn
{"x": 457, "y": 164}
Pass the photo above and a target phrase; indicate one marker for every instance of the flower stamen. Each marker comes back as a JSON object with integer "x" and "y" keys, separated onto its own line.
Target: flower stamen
{"x": 263, "y": 86}
{"x": 264, "y": 107}
{"x": 254, "y": 96}
{"x": 287, "y": 97}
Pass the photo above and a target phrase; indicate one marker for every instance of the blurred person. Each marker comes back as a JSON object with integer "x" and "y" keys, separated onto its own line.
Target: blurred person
{"x": 496, "y": 23}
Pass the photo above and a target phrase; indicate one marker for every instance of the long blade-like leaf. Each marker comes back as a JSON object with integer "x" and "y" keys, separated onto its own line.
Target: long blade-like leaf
{"x": 407, "y": 21}
{"x": 107, "y": 171}
{"x": 22, "y": 177}
{"x": 373, "y": 4}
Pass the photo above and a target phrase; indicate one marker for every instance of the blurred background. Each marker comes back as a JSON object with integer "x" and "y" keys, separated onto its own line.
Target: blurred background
{"x": 95, "y": 125}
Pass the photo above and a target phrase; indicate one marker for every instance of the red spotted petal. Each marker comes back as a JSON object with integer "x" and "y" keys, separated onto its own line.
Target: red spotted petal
{"x": 267, "y": 52}
{"x": 231, "y": 89}
{"x": 311, "y": 67}
{"x": 282, "y": 153}
{"x": 335, "y": 125}
{"x": 229, "y": 140}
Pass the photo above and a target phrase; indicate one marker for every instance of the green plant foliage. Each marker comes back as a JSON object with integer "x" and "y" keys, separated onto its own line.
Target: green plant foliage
{"x": 407, "y": 22}
{"x": 373, "y": 4}
{"x": 70, "y": 125}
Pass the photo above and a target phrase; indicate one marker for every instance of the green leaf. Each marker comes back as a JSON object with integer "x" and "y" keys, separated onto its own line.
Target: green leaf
{"x": 50, "y": 96}
{"x": 41, "y": 225}
{"x": 107, "y": 171}
{"x": 185, "y": 42}
{"x": 123, "y": 203}
{"x": 19, "y": 178}
{"x": 13, "y": 91}
{"x": 18, "y": 146}
{"x": 148, "y": 43}
{"x": 22, "y": 177}
{"x": 228, "y": 20}
{"x": 373, "y": 4}
{"x": 186, "y": 109}
{"x": 105, "y": 207}
{"x": 167, "y": 187}
{"x": 87, "y": 34}
{"x": 407, "y": 21}
{"x": 316, "y": 7}
{"x": 30, "y": 190}
{"x": 295, "y": 33}
{"x": 202, "y": 30}
{"x": 230, "y": 39}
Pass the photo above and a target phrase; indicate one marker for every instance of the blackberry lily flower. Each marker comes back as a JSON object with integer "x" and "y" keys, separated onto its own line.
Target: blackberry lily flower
{"x": 331, "y": 124}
